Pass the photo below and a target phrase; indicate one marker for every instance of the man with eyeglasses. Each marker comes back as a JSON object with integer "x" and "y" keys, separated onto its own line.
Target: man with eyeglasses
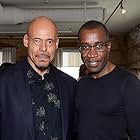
{"x": 108, "y": 98}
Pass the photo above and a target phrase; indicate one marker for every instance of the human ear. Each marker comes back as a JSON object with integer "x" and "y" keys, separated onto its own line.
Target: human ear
{"x": 25, "y": 40}
{"x": 109, "y": 45}
{"x": 57, "y": 43}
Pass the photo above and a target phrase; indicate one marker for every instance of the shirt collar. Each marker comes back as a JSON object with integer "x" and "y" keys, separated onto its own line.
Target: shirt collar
{"x": 32, "y": 75}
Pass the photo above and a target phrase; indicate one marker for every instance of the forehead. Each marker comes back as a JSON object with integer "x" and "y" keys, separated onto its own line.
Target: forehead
{"x": 42, "y": 28}
{"x": 94, "y": 35}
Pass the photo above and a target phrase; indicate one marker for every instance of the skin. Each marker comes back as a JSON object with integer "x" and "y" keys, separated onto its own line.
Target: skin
{"x": 97, "y": 63}
{"x": 41, "y": 41}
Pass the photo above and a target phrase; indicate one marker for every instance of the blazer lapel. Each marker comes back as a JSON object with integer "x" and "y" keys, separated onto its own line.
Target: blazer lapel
{"x": 64, "y": 104}
{"x": 26, "y": 102}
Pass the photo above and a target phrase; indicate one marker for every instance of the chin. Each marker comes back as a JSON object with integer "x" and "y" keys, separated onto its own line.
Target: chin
{"x": 42, "y": 66}
{"x": 43, "y": 63}
{"x": 94, "y": 70}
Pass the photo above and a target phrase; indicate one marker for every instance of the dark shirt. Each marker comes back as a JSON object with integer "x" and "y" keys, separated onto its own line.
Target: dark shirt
{"x": 45, "y": 105}
{"x": 108, "y": 108}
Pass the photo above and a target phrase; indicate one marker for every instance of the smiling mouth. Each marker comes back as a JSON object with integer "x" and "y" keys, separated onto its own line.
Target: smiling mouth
{"x": 92, "y": 63}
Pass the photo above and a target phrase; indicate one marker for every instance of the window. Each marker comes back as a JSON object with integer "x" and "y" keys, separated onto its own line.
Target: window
{"x": 1, "y": 53}
{"x": 69, "y": 60}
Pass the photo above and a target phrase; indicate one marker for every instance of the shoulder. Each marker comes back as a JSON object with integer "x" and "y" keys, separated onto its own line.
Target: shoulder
{"x": 125, "y": 73}
{"x": 84, "y": 81}
{"x": 13, "y": 70}
{"x": 129, "y": 79}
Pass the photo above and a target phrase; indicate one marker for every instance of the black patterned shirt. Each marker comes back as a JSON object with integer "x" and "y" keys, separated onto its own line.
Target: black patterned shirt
{"x": 45, "y": 105}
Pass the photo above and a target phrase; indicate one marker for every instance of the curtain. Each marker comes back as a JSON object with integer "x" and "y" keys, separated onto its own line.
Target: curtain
{"x": 8, "y": 55}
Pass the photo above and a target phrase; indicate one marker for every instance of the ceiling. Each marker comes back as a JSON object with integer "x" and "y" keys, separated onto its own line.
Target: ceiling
{"x": 69, "y": 14}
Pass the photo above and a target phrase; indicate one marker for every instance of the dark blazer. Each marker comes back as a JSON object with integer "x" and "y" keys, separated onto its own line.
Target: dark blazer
{"x": 16, "y": 119}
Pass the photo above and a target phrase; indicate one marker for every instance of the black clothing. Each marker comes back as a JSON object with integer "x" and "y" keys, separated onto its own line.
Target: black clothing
{"x": 108, "y": 107}
{"x": 45, "y": 105}
{"x": 16, "y": 109}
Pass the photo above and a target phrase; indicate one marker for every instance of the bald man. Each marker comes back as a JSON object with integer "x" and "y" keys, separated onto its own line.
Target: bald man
{"x": 36, "y": 99}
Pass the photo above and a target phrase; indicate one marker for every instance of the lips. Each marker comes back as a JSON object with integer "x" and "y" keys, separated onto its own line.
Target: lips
{"x": 43, "y": 56}
{"x": 92, "y": 63}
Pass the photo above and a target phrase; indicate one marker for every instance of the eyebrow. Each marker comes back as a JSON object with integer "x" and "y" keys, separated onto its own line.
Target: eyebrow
{"x": 37, "y": 38}
{"x": 94, "y": 43}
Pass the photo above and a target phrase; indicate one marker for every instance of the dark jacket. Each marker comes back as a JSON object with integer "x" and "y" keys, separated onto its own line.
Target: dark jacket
{"x": 16, "y": 119}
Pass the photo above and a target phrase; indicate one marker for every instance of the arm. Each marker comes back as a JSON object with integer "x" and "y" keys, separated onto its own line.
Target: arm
{"x": 132, "y": 107}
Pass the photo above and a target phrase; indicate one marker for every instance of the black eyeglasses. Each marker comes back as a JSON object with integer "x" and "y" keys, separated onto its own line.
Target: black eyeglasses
{"x": 99, "y": 47}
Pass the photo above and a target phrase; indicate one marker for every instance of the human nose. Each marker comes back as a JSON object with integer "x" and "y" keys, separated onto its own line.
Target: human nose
{"x": 43, "y": 46}
{"x": 92, "y": 52}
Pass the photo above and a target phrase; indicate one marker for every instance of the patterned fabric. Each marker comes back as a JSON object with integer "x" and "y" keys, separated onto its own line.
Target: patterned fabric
{"x": 45, "y": 105}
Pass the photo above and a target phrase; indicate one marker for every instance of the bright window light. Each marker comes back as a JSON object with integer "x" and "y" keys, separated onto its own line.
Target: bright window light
{"x": 70, "y": 60}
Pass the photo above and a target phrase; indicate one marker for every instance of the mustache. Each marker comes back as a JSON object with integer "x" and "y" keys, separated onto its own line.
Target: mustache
{"x": 42, "y": 55}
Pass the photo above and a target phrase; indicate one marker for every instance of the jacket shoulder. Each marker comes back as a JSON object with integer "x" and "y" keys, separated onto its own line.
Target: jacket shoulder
{"x": 13, "y": 70}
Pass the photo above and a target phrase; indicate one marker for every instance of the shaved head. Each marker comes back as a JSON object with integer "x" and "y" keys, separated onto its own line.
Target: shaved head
{"x": 42, "y": 41}
{"x": 41, "y": 20}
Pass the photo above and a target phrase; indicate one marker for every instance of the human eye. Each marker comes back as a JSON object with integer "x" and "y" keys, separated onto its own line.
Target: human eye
{"x": 85, "y": 47}
{"x": 36, "y": 41}
{"x": 99, "y": 45}
{"x": 50, "y": 42}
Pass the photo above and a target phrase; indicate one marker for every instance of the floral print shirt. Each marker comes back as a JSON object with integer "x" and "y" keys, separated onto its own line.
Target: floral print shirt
{"x": 45, "y": 105}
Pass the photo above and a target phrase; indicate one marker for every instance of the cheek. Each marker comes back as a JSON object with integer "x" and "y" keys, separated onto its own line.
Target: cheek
{"x": 32, "y": 51}
{"x": 104, "y": 56}
{"x": 83, "y": 55}
{"x": 51, "y": 52}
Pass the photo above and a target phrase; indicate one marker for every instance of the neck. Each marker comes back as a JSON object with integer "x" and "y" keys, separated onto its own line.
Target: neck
{"x": 42, "y": 72}
{"x": 109, "y": 68}
{"x": 39, "y": 70}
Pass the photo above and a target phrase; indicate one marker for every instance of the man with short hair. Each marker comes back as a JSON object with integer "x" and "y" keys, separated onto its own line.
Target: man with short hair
{"x": 108, "y": 98}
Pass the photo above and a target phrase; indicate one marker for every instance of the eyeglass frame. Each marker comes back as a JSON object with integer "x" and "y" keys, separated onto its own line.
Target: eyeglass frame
{"x": 105, "y": 44}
